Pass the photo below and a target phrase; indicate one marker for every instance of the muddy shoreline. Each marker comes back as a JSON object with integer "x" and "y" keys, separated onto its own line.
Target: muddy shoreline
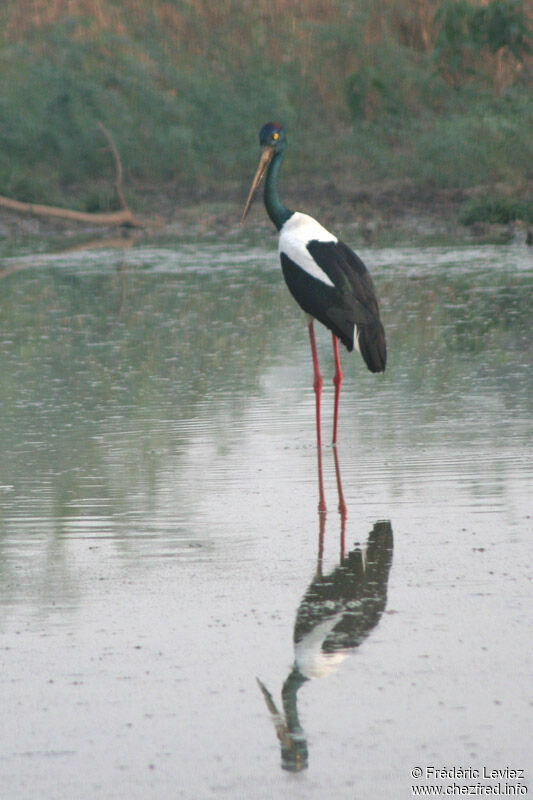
{"x": 372, "y": 216}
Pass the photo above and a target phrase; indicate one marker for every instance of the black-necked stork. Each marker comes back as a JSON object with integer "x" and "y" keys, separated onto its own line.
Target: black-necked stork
{"x": 328, "y": 280}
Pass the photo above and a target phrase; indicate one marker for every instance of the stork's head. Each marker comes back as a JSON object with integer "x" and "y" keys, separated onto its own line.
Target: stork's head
{"x": 273, "y": 135}
{"x": 273, "y": 140}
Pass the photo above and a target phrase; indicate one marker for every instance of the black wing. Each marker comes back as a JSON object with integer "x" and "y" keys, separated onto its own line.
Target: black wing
{"x": 350, "y": 303}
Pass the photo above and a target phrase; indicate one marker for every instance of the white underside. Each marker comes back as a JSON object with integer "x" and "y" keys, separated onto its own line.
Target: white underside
{"x": 293, "y": 238}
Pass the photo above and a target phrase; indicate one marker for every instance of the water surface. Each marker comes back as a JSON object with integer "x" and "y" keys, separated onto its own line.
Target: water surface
{"x": 160, "y": 541}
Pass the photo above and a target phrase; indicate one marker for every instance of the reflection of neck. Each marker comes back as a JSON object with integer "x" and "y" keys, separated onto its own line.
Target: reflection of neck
{"x": 290, "y": 699}
{"x": 275, "y": 208}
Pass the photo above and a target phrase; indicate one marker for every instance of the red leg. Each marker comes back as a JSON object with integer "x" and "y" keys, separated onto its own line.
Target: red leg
{"x": 317, "y": 383}
{"x": 343, "y": 539}
{"x": 321, "y": 494}
{"x": 343, "y": 511}
{"x": 321, "y": 531}
{"x": 317, "y": 386}
{"x": 337, "y": 380}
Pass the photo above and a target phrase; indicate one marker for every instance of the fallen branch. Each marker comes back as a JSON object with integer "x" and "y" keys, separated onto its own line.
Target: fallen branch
{"x": 122, "y": 217}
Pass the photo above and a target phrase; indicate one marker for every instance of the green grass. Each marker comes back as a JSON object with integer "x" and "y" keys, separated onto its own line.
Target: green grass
{"x": 183, "y": 88}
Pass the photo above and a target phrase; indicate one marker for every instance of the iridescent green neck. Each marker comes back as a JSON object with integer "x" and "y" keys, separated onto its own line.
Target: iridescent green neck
{"x": 277, "y": 212}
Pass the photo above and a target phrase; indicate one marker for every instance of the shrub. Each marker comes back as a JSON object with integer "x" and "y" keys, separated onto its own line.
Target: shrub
{"x": 496, "y": 209}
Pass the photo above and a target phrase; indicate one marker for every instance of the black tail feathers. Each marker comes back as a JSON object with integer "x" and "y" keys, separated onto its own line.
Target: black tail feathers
{"x": 372, "y": 345}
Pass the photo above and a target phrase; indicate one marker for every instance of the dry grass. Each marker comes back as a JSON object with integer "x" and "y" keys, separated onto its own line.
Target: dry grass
{"x": 176, "y": 79}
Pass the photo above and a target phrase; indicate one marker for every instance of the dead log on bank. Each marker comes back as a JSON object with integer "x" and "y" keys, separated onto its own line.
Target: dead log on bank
{"x": 123, "y": 217}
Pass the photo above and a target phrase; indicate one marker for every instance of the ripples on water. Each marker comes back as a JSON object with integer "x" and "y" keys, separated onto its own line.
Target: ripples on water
{"x": 158, "y": 489}
{"x": 165, "y": 364}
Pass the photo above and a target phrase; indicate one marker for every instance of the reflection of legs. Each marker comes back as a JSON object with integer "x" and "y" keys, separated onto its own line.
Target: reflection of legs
{"x": 322, "y": 516}
{"x": 337, "y": 380}
{"x": 317, "y": 386}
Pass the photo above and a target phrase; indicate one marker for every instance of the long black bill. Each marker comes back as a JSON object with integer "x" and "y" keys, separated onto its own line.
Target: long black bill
{"x": 264, "y": 161}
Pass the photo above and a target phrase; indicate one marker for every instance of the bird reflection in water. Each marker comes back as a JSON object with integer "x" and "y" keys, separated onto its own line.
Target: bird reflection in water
{"x": 337, "y": 612}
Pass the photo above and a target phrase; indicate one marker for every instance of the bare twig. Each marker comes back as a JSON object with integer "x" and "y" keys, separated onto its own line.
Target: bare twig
{"x": 123, "y": 217}
{"x": 118, "y": 164}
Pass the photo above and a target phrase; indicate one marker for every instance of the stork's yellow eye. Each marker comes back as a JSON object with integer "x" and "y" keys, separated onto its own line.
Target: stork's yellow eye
{"x": 275, "y": 136}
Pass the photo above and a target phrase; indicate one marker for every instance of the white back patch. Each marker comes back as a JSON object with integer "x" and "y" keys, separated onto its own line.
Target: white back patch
{"x": 293, "y": 238}
{"x": 311, "y": 660}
